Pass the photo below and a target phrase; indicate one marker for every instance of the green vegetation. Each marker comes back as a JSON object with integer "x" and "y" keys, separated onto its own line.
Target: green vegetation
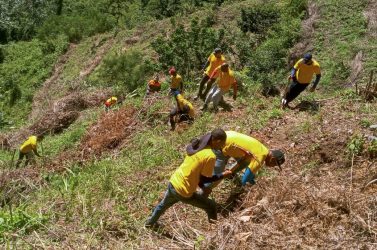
{"x": 107, "y": 198}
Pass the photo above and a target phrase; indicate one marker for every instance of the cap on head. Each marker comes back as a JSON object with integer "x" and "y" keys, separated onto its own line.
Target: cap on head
{"x": 308, "y": 56}
{"x": 217, "y": 50}
{"x": 172, "y": 71}
{"x": 279, "y": 156}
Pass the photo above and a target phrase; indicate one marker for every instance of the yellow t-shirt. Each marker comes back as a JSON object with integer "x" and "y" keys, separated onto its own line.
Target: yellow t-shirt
{"x": 214, "y": 62}
{"x": 186, "y": 178}
{"x": 236, "y": 144}
{"x": 183, "y": 102}
{"x": 175, "y": 81}
{"x": 224, "y": 79}
{"x": 29, "y": 145}
{"x": 304, "y": 73}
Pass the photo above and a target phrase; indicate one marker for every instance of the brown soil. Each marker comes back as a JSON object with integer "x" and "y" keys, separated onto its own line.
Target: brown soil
{"x": 317, "y": 201}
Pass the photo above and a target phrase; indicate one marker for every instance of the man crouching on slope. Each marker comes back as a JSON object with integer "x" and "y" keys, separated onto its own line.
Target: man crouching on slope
{"x": 250, "y": 154}
{"x": 197, "y": 167}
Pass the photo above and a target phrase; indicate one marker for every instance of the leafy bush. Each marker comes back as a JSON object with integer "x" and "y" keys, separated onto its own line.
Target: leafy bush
{"x": 26, "y": 65}
{"x": 75, "y": 27}
{"x": 128, "y": 70}
{"x": 188, "y": 49}
{"x": 268, "y": 62}
{"x": 259, "y": 19}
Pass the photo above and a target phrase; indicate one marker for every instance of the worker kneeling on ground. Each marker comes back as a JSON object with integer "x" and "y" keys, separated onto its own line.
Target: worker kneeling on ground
{"x": 154, "y": 85}
{"x": 301, "y": 75}
{"x": 197, "y": 167}
{"x": 184, "y": 111}
{"x": 249, "y": 153}
{"x": 225, "y": 79}
{"x": 110, "y": 103}
{"x": 28, "y": 149}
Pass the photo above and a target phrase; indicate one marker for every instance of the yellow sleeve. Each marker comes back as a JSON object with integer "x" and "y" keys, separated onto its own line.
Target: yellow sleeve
{"x": 298, "y": 63}
{"x": 317, "y": 69}
{"x": 256, "y": 163}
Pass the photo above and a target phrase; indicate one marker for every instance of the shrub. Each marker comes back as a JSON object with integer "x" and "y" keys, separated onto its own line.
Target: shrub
{"x": 188, "y": 49}
{"x": 259, "y": 19}
{"x": 128, "y": 70}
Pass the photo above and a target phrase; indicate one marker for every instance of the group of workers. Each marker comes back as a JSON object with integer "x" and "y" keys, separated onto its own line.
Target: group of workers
{"x": 204, "y": 165}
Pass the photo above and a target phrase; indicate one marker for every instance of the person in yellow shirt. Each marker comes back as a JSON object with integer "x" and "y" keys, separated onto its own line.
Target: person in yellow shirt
{"x": 215, "y": 60}
{"x": 197, "y": 167}
{"x": 225, "y": 79}
{"x": 301, "y": 75}
{"x": 110, "y": 102}
{"x": 183, "y": 109}
{"x": 249, "y": 153}
{"x": 176, "y": 83}
{"x": 154, "y": 85}
{"x": 28, "y": 148}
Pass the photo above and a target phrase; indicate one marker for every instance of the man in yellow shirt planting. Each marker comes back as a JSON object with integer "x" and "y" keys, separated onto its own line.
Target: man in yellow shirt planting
{"x": 301, "y": 75}
{"x": 28, "y": 148}
{"x": 250, "y": 154}
{"x": 196, "y": 168}
{"x": 225, "y": 79}
{"x": 184, "y": 110}
{"x": 215, "y": 60}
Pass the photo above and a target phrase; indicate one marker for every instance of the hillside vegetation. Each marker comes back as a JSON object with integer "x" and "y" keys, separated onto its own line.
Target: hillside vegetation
{"x": 101, "y": 173}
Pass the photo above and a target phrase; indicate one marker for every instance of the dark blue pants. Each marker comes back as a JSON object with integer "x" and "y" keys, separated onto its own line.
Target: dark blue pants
{"x": 294, "y": 90}
{"x": 171, "y": 197}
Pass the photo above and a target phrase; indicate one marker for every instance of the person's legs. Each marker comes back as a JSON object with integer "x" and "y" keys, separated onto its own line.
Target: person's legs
{"x": 201, "y": 201}
{"x": 201, "y": 86}
{"x": 209, "y": 97}
{"x": 172, "y": 114}
{"x": 20, "y": 157}
{"x": 294, "y": 90}
{"x": 208, "y": 88}
{"x": 216, "y": 98}
{"x": 169, "y": 199}
{"x": 248, "y": 176}
{"x": 29, "y": 157}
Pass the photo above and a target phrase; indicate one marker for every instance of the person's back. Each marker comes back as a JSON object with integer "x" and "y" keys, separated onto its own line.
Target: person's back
{"x": 29, "y": 145}
{"x": 186, "y": 178}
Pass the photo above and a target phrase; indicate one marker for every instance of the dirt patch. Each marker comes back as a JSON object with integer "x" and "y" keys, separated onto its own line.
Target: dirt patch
{"x": 371, "y": 16}
{"x": 110, "y": 131}
{"x": 59, "y": 116}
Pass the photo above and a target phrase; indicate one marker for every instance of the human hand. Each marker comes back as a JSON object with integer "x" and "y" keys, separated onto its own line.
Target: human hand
{"x": 227, "y": 173}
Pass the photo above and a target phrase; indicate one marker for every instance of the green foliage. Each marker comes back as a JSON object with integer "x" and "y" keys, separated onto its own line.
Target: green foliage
{"x": 26, "y": 65}
{"x": 268, "y": 62}
{"x": 18, "y": 220}
{"x": 127, "y": 70}
{"x": 75, "y": 27}
{"x": 259, "y": 19}
{"x": 188, "y": 49}
{"x": 356, "y": 145}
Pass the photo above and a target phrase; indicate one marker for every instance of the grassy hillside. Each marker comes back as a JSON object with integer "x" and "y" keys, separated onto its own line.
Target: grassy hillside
{"x": 104, "y": 172}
